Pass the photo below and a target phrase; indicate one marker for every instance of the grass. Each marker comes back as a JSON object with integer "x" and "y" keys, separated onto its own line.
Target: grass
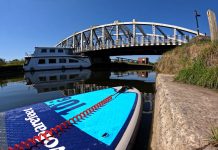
{"x": 8, "y": 65}
{"x": 193, "y": 63}
{"x": 214, "y": 137}
{"x": 199, "y": 74}
{"x": 14, "y": 62}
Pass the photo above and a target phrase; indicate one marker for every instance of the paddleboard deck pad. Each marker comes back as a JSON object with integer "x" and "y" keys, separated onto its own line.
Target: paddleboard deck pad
{"x": 109, "y": 126}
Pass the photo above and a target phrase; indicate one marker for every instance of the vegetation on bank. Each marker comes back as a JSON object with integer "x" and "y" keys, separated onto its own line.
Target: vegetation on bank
{"x": 15, "y": 62}
{"x": 214, "y": 137}
{"x": 194, "y": 63}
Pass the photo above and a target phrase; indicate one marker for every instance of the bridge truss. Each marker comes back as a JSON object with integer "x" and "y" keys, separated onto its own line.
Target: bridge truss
{"x": 127, "y": 34}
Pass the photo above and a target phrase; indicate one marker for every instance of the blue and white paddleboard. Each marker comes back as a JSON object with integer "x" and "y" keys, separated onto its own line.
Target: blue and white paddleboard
{"x": 111, "y": 125}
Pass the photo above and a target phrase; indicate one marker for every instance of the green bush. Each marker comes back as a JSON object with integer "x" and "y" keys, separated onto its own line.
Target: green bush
{"x": 194, "y": 63}
{"x": 199, "y": 74}
{"x": 15, "y": 62}
{"x": 2, "y": 62}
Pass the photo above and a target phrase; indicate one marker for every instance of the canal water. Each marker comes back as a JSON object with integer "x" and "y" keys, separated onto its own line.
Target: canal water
{"x": 30, "y": 88}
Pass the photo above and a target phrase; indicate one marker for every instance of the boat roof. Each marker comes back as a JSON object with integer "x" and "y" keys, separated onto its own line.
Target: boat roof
{"x": 54, "y": 47}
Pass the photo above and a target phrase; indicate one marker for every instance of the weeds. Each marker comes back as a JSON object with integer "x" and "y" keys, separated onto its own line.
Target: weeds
{"x": 214, "y": 137}
{"x": 193, "y": 63}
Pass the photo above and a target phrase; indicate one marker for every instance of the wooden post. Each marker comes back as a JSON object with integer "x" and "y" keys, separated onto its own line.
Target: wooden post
{"x": 213, "y": 25}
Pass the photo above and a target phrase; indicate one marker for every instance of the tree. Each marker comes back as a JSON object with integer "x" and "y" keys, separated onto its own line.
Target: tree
{"x": 2, "y": 62}
{"x": 16, "y": 62}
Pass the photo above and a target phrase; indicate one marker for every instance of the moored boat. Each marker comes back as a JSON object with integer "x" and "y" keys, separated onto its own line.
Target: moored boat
{"x": 47, "y": 58}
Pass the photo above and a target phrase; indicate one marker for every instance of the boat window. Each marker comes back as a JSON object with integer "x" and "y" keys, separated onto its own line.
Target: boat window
{"x": 60, "y": 50}
{"x": 43, "y": 50}
{"x": 72, "y": 76}
{"x": 27, "y": 60}
{"x": 52, "y": 78}
{"x": 52, "y": 50}
{"x": 63, "y": 77}
{"x": 46, "y": 90}
{"x": 41, "y": 61}
{"x": 52, "y": 61}
{"x": 54, "y": 89}
{"x": 73, "y": 61}
{"x": 61, "y": 87}
{"x": 62, "y": 60}
{"x": 42, "y": 78}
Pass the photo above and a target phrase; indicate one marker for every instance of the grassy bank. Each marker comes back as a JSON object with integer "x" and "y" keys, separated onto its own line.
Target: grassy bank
{"x": 194, "y": 63}
{"x": 15, "y": 62}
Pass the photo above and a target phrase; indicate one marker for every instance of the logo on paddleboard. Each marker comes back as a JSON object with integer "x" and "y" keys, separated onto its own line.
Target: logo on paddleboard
{"x": 39, "y": 126}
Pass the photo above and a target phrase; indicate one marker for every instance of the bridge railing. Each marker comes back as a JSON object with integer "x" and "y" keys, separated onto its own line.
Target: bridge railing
{"x": 139, "y": 41}
{"x": 127, "y": 34}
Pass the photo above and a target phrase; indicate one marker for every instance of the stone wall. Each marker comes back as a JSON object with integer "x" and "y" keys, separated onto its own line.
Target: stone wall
{"x": 183, "y": 116}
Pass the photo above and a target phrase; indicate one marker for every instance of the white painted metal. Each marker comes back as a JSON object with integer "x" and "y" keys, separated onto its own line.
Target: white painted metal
{"x": 118, "y": 34}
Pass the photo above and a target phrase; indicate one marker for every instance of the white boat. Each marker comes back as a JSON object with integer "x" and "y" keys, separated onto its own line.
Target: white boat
{"x": 47, "y": 58}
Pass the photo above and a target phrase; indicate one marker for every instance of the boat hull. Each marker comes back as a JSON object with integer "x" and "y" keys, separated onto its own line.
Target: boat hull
{"x": 62, "y": 67}
{"x": 79, "y": 62}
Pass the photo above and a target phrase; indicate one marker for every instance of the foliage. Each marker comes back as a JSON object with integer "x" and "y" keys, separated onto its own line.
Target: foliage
{"x": 2, "y": 62}
{"x": 199, "y": 74}
{"x": 193, "y": 63}
{"x": 14, "y": 62}
{"x": 214, "y": 137}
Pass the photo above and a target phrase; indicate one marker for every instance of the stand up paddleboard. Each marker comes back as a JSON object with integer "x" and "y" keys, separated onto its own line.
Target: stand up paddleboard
{"x": 103, "y": 119}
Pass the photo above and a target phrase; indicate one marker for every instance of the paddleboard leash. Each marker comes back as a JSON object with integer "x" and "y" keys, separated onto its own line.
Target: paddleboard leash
{"x": 29, "y": 143}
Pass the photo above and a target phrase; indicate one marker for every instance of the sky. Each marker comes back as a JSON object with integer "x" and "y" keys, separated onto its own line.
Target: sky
{"x": 25, "y": 24}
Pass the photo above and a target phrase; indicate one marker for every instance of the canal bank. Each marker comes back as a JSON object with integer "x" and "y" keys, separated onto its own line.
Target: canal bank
{"x": 183, "y": 116}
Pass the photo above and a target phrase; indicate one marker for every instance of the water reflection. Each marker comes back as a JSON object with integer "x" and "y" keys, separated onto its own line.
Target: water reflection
{"x": 139, "y": 74}
{"x": 56, "y": 80}
{"x": 56, "y": 76}
{"x": 71, "y": 82}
